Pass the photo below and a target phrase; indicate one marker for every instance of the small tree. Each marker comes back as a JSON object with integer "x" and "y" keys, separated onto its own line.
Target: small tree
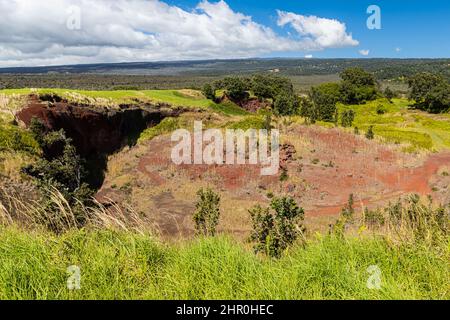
{"x": 346, "y": 217}
{"x": 209, "y": 92}
{"x": 369, "y": 134}
{"x": 347, "y": 118}
{"x": 60, "y": 168}
{"x": 389, "y": 94}
{"x": 348, "y": 211}
{"x": 307, "y": 110}
{"x": 285, "y": 104}
{"x": 207, "y": 213}
{"x": 267, "y": 125}
{"x": 324, "y": 98}
{"x": 277, "y": 227}
{"x": 236, "y": 88}
{"x": 38, "y": 130}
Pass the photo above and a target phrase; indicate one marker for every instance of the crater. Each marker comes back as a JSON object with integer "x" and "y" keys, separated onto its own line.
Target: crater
{"x": 96, "y": 131}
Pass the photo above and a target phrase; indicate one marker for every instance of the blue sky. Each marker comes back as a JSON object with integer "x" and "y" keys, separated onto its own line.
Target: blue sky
{"x": 418, "y": 28}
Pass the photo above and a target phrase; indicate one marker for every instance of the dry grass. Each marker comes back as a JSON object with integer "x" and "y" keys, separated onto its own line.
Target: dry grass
{"x": 56, "y": 214}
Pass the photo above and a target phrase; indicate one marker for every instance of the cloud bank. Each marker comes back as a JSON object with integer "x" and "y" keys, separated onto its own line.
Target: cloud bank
{"x": 55, "y": 32}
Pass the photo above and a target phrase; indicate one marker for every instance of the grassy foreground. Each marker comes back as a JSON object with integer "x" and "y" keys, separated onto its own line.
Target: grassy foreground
{"x": 116, "y": 265}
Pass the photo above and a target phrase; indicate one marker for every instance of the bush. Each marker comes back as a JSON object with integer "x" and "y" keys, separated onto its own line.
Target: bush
{"x": 348, "y": 211}
{"x": 269, "y": 86}
{"x": 307, "y": 109}
{"x": 373, "y": 218}
{"x": 277, "y": 227}
{"x": 209, "y": 92}
{"x": 389, "y": 94}
{"x": 430, "y": 91}
{"x": 381, "y": 109}
{"x": 62, "y": 169}
{"x": 235, "y": 88}
{"x": 14, "y": 138}
{"x": 369, "y": 134}
{"x": 206, "y": 216}
{"x": 347, "y": 118}
{"x": 285, "y": 104}
{"x": 357, "y": 86}
{"x": 324, "y": 98}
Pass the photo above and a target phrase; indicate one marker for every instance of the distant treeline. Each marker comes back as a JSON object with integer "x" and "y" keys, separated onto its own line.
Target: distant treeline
{"x": 100, "y": 82}
{"x": 381, "y": 68}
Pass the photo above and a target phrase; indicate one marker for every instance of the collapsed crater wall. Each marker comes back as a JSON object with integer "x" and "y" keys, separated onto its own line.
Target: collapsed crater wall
{"x": 96, "y": 131}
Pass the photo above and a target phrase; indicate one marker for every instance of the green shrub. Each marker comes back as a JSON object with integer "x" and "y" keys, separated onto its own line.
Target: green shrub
{"x": 286, "y": 104}
{"x": 209, "y": 92}
{"x": 381, "y": 109}
{"x": 348, "y": 211}
{"x": 61, "y": 168}
{"x": 277, "y": 227}
{"x": 324, "y": 98}
{"x": 373, "y": 218}
{"x": 389, "y": 94}
{"x": 16, "y": 139}
{"x": 347, "y": 118}
{"x": 369, "y": 134}
{"x": 250, "y": 122}
{"x": 207, "y": 213}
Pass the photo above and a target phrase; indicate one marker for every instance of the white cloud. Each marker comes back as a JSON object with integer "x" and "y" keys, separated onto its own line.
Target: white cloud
{"x": 398, "y": 49}
{"x": 308, "y": 56}
{"x": 322, "y": 33}
{"x": 36, "y": 32}
{"x": 364, "y": 52}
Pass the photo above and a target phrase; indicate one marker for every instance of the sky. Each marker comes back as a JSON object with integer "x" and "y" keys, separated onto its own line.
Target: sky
{"x": 58, "y": 32}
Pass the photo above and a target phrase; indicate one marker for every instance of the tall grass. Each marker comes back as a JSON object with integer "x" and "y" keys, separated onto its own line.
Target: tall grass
{"x": 121, "y": 265}
{"x": 120, "y": 258}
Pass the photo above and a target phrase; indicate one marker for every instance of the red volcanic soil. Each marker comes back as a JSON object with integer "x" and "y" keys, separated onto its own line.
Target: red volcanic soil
{"x": 324, "y": 167}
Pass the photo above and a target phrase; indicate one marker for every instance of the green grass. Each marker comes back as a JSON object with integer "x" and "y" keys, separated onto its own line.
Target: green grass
{"x": 166, "y": 126}
{"x": 173, "y": 97}
{"x": 416, "y": 130}
{"x": 13, "y": 138}
{"x": 229, "y": 108}
{"x": 9, "y": 92}
{"x": 128, "y": 266}
{"x": 249, "y": 122}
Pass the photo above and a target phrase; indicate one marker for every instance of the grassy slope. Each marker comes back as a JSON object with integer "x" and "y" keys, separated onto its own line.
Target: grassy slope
{"x": 125, "y": 265}
{"x": 174, "y": 97}
{"x": 417, "y": 130}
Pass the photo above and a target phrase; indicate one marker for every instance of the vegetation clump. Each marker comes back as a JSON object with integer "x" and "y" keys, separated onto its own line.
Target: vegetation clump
{"x": 369, "y": 133}
{"x": 347, "y": 118}
{"x": 277, "y": 227}
{"x": 431, "y": 92}
{"x": 61, "y": 168}
{"x": 207, "y": 213}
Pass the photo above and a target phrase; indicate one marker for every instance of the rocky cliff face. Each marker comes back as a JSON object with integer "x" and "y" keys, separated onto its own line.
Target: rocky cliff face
{"x": 96, "y": 131}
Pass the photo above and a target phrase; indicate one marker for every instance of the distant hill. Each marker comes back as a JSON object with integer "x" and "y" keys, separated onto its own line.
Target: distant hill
{"x": 383, "y": 68}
